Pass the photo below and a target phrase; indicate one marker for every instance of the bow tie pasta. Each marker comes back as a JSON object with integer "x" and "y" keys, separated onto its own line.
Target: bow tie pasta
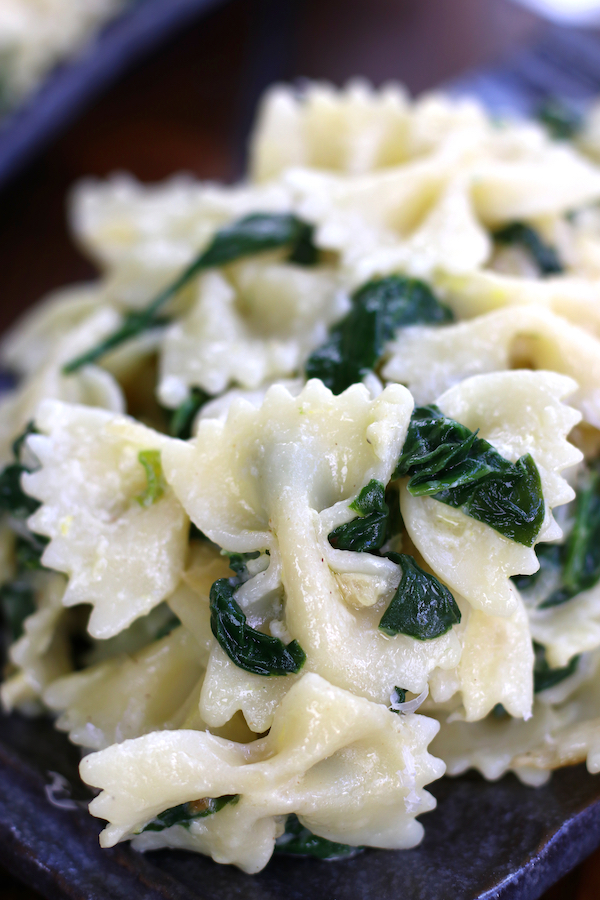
{"x": 321, "y": 737}
{"x": 314, "y": 452}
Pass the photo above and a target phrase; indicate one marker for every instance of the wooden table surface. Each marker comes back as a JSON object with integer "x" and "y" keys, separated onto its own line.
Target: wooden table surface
{"x": 189, "y": 106}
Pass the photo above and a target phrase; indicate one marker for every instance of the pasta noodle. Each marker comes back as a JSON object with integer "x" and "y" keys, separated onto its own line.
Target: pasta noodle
{"x": 301, "y": 498}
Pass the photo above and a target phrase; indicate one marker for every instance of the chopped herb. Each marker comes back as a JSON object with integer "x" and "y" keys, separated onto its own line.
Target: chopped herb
{"x": 183, "y": 417}
{"x": 299, "y": 841}
{"x": 422, "y": 607}
{"x": 545, "y": 256}
{"x": 447, "y": 461}
{"x": 543, "y": 676}
{"x": 237, "y": 563}
{"x": 245, "y": 237}
{"x": 379, "y": 308}
{"x": 186, "y": 813}
{"x": 368, "y": 531}
{"x": 13, "y": 498}
{"x": 156, "y": 484}
{"x": 560, "y": 119}
{"x": 248, "y": 648}
{"x": 16, "y": 603}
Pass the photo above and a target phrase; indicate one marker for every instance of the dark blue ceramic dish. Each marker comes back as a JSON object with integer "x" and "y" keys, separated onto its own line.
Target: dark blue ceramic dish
{"x": 74, "y": 84}
{"x": 500, "y": 841}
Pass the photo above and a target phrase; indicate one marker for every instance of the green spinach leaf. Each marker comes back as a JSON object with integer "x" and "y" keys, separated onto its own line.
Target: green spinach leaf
{"x": 16, "y": 603}
{"x": 299, "y": 841}
{"x": 447, "y": 461}
{"x": 545, "y": 256}
{"x": 238, "y": 563}
{"x": 248, "y": 236}
{"x": 577, "y": 559}
{"x": 186, "y": 813}
{"x": 368, "y": 531}
{"x": 543, "y": 676}
{"x": 561, "y": 119}
{"x": 248, "y": 648}
{"x": 183, "y": 417}
{"x": 379, "y": 308}
{"x": 422, "y": 607}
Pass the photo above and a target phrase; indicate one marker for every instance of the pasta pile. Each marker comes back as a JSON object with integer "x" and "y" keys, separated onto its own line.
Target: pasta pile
{"x": 301, "y": 498}
{"x": 35, "y": 35}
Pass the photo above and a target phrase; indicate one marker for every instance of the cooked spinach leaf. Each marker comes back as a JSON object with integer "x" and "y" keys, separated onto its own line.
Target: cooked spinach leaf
{"x": 379, "y": 308}
{"x": 13, "y": 498}
{"x": 422, "y": 607}
{"x": 447, "y": 461}
{"x": 543, "y": 676}
{"x": 28, "y": 550}
{"x": 16, "y": 604}
{"x": 155, "y": 480}
{"x": 400, "y": 697}
{"x": 170, "y": 625}
{"x": 183, "y": 417}
{"x": 577, "y": 558}
{"x": 560, "y": 119}
{"x": 245, "y": 237}
{"x": 237, "y": 563}
{"x": 186, "y": 813}
{"x": 544, "y": 256}
{"x": 248, "y": 648}
{"x": 299, "y": 841}
{"x": 367, "y": 532}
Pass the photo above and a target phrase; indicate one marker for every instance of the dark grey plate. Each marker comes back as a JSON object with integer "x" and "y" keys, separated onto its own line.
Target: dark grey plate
{"x": 484, "y": 841}
{"x": 73, "y": 85}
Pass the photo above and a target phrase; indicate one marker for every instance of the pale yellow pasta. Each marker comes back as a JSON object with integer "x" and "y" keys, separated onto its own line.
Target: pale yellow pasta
{"x": 322, "y": 736}
{"x": 88, "y": 482}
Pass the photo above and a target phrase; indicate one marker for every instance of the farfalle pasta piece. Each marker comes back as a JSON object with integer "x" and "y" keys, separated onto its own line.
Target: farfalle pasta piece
{"x": 259, "y": 481}
{"x": 260, "y": 324}
{"x": 475, "y": 293}
{"x": 518, "y": 413}
{"x": 321, "y": 736}
{"x": 569, "y": 629}
{"x": 89, "y": 482}
{"x": 127, "y": 696}
{"x": 42, "y": 653}
{"x": 430, "y": 360}
{"x": 143, "y": 237}
{"x": 564, "y": 730}
{"x": 91, "y": 386}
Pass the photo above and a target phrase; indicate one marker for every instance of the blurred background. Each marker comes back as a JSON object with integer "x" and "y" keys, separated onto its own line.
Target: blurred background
{"x": 188, "y": 106}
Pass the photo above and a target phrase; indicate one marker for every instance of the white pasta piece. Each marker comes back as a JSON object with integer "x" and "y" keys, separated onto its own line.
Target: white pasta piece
{"x": 261, "y": 326}
{"x": 143, "y": 237}
{"x": 475, "y": 293}
{"x": 90, "y": 385}
{"x": 127, "y": 696}
{"x": 564, "y": 730}
{"x": 429, "y": 360}
{"x": 100, "y": 536}
{"x": 568, "y": 629}
{"x": 496, "y": 664}
{"x": 35, "y": 36}
{"x": 259, "y": 481}
{"x": 322, "y": 737}
{"x": 42, "y": 653}
{"x": 31, "y": 342}
{"x": 356, "y": 129}
{"x": 517, "y": 412}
